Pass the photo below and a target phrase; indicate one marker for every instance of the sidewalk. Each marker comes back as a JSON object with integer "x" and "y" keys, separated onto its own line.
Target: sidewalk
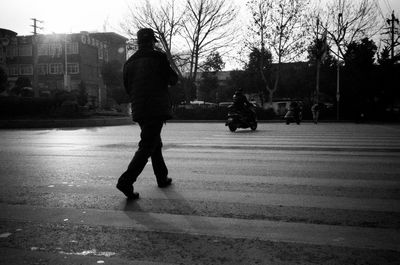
{"x": 90, "y": 122}
{"x": 60, "y": 123}
{"x": 111, "y": 121}
{"x": 264, "y": 230}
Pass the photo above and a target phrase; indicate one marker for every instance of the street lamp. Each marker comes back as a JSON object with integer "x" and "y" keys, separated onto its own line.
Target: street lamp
{"x": 66, "y": 85}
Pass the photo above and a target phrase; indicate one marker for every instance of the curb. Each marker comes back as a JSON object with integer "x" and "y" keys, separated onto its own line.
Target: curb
{"x": 99, "y": 122}
{"x": 28, "y": 124}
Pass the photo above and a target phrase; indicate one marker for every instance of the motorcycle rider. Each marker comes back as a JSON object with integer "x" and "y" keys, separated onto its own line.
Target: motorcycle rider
{"x": 296, "y": 109}
{"x": 242, "y": 105}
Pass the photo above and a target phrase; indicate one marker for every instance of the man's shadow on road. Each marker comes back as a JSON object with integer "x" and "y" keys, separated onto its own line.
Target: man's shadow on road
{"x": 165, "y": 222}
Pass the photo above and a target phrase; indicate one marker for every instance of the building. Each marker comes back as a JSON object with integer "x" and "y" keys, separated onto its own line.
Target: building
{"x": 64, "y": 61}
{"x": 5, "y": 37}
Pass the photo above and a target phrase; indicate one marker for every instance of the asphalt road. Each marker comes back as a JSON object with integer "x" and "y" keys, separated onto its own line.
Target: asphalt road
{"x": 284, "y": 194}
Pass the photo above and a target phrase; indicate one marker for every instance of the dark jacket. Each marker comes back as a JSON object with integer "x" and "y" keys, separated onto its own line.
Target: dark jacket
{"x": 147, "y": 74}
{"x": 240, "y": 101}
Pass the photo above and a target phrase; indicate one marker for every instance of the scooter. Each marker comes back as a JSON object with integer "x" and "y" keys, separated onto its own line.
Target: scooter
{"x": 237, "y": 119}
{"x": 293, "y": 115}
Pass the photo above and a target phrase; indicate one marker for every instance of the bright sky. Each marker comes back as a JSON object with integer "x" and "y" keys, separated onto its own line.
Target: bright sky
{"x": 73, "y": 16}
{"x": 88, "y": 15}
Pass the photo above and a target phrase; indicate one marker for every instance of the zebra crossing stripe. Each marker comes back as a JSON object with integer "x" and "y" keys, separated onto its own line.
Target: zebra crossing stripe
{"x": 368, "y": 238}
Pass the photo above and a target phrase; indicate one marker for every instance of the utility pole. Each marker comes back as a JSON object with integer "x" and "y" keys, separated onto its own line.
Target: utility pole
{"x": 321, "y": 47}
{"x": 66, "y": 81}
{"x": 338, "y": 69}
{"x": 35, "y": 56}
{"x": 393, "y": 43}
{"x": 35, "y": 26}
{"x": 318, "y": 57}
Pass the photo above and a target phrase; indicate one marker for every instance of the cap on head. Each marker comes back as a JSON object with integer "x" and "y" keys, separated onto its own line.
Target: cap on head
{"x": 146, "y": 35}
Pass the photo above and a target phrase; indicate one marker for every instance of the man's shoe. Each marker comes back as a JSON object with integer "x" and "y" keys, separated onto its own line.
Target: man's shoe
{"x": 165, "y": 183}
{"x": 128, "y": 191}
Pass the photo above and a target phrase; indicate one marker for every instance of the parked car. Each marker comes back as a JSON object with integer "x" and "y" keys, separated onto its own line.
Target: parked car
{"x": 27, "y": 92}
{"x": 197, "y": 104}
{"x": 201, "y": 103}
{"x": 225, "y": 104}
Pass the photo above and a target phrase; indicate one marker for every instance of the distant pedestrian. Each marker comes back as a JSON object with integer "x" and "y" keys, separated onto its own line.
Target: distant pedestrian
{"x": 147, "y": 74}
{"x": 315, "y": 109}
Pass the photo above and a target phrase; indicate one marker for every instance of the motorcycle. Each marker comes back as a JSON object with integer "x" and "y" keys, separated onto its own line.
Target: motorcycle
{"x": 238, "y": 119}
{"x": 293, "y": 115}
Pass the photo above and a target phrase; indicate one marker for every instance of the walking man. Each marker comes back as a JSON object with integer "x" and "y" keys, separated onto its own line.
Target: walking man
{"x": 147, "y": 74}
{"x": 315, "y": 109}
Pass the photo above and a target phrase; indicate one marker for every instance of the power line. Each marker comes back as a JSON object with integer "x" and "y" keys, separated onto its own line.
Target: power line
{"x": 379, "y": 9}
{"x": 388, "y": 5}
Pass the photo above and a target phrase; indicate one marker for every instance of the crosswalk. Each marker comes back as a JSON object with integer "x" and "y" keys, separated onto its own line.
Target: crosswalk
{"x": 326, "y": 194}
{"x": 344, "y": 178}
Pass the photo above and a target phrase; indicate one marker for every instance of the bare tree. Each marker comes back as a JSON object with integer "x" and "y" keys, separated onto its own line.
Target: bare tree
{"x": 347, "y": 21}
{"x": 206, "y": 29}
{"x": 188, "y": 32}
{"x": 165, "y": 19}
{"x": 260, "y": 11}
{"x": 280, "y": 26}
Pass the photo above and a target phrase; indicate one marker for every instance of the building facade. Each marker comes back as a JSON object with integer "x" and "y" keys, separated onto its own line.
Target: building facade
{"x": 56, "y": 62}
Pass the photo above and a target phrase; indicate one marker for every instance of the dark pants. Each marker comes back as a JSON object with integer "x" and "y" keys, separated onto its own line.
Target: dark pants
{"x": 150, "y": 145}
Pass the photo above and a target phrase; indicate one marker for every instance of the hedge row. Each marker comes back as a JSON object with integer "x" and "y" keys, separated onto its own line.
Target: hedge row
{"x": 53, "y": 107}
{"x": 11, "y": 107}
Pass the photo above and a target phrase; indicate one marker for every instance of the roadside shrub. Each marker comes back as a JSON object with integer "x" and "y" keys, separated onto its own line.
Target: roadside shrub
{"x": 25, "y": 107}
{"x": 266, "y": 114}
{"x": 200, "y": 114}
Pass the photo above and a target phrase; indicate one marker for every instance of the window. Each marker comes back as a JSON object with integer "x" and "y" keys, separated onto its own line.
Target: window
{"x": 94, "y": 72}
{"x": 72, "y": 48}
{"x": 25, "y": 69}
{"x": 100, "y": 52}
{"x": 55, "y": 49}
{"x": 73, "y": 68}
{"x": 43, "y": 49}
{"x": 106, "y": 55}
{"x": 55, "y": 68}
{"x": 42, "y": 69}
{"x": 23, "y": 40}
{"x": 13, "y": 69}
{"x": 12, "y": 51}
{"x": 25, "y": 50}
